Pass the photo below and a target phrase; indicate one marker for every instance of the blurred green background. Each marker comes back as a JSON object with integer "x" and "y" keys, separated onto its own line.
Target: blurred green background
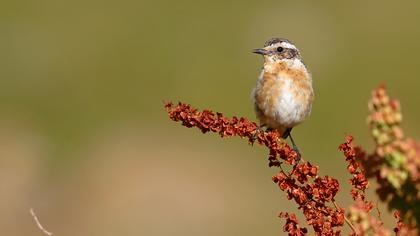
{"x": 84, "y": 138}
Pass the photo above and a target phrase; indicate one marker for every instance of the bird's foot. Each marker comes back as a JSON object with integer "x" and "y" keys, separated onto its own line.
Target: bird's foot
{"x": 295, "y": 148}
{"x": 258, "y": 130}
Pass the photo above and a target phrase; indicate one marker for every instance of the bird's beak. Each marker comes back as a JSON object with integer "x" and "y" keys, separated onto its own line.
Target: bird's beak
{"x": 260, "y": 51}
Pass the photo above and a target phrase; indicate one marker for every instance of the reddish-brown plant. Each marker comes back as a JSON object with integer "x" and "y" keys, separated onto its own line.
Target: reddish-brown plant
{"x": 313, "y": 194}
{"x": 395, "y": 164}
{"x": 359, "y": 212}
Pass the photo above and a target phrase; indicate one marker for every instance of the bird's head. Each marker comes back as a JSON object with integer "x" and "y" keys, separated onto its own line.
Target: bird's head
{"x": 278, "y": 49}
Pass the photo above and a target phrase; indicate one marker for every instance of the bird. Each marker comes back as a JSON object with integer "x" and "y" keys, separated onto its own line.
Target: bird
{"x": 283, "y": 95}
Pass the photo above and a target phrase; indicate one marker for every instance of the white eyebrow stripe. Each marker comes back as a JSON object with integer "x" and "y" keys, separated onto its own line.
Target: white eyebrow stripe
{"x": 287, "y": 45}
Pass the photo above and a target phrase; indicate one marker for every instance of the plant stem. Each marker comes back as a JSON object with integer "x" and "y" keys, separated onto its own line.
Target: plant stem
{"x": 345, "y": 218}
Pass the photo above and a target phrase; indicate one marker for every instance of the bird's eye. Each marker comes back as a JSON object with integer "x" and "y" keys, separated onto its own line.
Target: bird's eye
{"x": 279, "y": 49}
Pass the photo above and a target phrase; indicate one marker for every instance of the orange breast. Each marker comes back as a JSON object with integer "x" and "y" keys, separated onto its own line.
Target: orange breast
{"x": 283, "y": 96}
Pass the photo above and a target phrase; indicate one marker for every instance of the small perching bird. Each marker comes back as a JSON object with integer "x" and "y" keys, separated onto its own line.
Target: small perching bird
{"x": 283, "y": 95}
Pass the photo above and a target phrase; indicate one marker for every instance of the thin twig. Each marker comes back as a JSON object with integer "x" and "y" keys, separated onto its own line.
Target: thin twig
{"x": 345, "y": 218}
{"x": 39, "y": 224}
{"x": 379, "y": 212}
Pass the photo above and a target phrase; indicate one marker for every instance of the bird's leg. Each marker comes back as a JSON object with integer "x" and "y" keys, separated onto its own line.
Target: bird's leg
{"x": 286, "y": 134}
{"x": 295, "y": 147}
